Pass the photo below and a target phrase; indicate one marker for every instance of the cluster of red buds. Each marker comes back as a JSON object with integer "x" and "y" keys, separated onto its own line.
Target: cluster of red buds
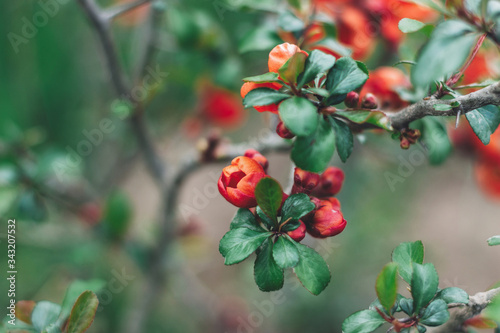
{"x": 238, "y": 181}
{"x": 408, "y": 137}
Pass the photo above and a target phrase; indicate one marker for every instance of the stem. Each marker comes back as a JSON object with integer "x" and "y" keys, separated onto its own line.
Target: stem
{"x": 454, "y": 79}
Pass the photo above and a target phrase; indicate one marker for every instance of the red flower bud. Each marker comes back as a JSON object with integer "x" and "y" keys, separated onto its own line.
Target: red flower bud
{"x": 326, "y": 221}
{"x": 283, "y": 131}
{"x": 304, "y": 181}
{"x": 330, "y": 183}
{"x": 299, "y": 233}
{"x": 238, "y": 180}
{"x": 261, "y": 159}
{"x": 369, "y": 101}
{"x": 280, "y": 54}
{"x": 352, "y": 99}
{"x": 90, "y": 212}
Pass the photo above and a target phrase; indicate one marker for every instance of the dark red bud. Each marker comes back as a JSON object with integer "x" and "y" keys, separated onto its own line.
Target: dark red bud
{"x": 304, "y": 181}
{"x": 352, "y": 99}
{"x": 369, "y": 102}
{"x": 299, "y": 233}
{"x": 283, "y": 131}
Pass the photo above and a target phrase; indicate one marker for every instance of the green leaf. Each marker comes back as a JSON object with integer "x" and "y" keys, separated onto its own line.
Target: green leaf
{"x": 299, "y": 115}
{"x": 268, "y": 275}
{"x": 259, "y": 39}
{"x": 405, "y": 254}
{"x": 285, "y": 253}
{"x": 44, "y": 313}
{"x": 269, "y": 195}
{"x": 345, "y": 76}
{"x": 74, "y": 290}
{"x": 493, "y": 241}
{"x": 407, "y": 25}
{"x": 424, "y": 285}
{"x": 406, "y": 305}
{"x": 387, "y": 285}
{"x": 334, "y": 99}
{"x": 269, "y": 223}
{"x": 484, "y": 121}
{"x": 436, "y": 313}
{"x": 453, "y": 295}
{"x": 448, "y": 48}
{"x": 296, "y": 206}
{"x": 263, "y": 78}
{"x": 245, "y": 219}
{"x": 365, "y": 321}
{"x": 314, "y": 152}
{"x": 117, "y": 214}
{"x": 263, "y": 96}
{"x": 421, "y": 329}
{"x": 492, "y": 311}
{"x": 238, "y": 244}
{"x": 312, "y": 270}
{"x": 344, "y": 140}
{"x": 291, "y": 225}
{"x": 289, "y": 22}
{"x": 317, "y": 63}
{"x": 376, "y": 118}
{"x": 435, "y": 137}
{"x": 442, "y": 107}
{"x": 291, "y": 70}
{"x": 83, "y": 312}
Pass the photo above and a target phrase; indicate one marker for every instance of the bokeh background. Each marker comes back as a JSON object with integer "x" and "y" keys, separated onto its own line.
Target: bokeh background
{"x": 55, "y": 87}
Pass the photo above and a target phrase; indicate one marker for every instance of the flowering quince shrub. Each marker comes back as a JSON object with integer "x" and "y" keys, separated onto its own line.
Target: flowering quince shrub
{"x": 272, "y": 223}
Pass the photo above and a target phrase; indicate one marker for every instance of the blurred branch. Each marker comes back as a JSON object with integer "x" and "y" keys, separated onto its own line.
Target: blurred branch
{"x": 115, "y": 11}
{"x": 486, "y": 96}
{"x": 477, "y": 303}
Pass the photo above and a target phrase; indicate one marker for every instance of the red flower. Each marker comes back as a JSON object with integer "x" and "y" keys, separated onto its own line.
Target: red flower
{"x": 258, "y": 157}
{"x": 220, "y": 106}
{"x": 488, "y": 177}
{"x": 383, "y": 83}
{"x": 248, "y": 86}
{"x": 304, "y": 181}
{"x": 299, "y": 233}
{"x": 280, "y": 54}
{"x": 330, "y": 183}
{"x": 325, "y": 221}
{"x": 238, "y": 180}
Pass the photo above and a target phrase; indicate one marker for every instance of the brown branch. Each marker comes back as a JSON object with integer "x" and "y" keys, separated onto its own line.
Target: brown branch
{"x": 477, "y": 303}
{"x": 486, "y": 96}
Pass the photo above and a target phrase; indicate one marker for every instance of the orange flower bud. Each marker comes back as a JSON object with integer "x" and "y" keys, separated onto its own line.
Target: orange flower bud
{"x": 248, "y": 86}
{"x": 284, "y": 132}
{"x": 238, "y": 180}
{"x": 326, "y": 221}
{"x": 299, "y": 233}
{"x": 261, "y": 159}
{"x": 280, "y": 54}
{"x": 304, "y": 181}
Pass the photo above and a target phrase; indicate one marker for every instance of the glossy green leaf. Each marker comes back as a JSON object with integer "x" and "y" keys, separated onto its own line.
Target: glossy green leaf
{"x": 83, "y": 312}
{"x": 285, "y": 253}
{"x": 268, "y": 275}
{"x": 312, "y": 270}
{"x": 407, "y": 25}
{"x": 365, "y": 321}
{"x": 314, "y": 152}
{"x": 492, "y": 311}
{"x": 289, "y": 22}
{"x": 493, "y": 241}
{"x": 263, "y": 96}
{"x": 345, "y": 76}
{"x": 405, "y": 254}
{"x": 299, "y": 115}
{"x": 406, "y": 305}
{"x": 294, "y": 66}
{"x": 376, "y": 118}
{"x": 424, "y": 285}
{"x": 387, "y": 285}
{"x": 344, "y": 140}
{"x": 317, "y": 63}
{"x": 290, "y": 225}
{"x": 44, "y": 314}
{"x": 75, "y": 289}
{"x": 436, "y": 314}
{"x": 268, "y": 222}
{"x": 238, "y": 244}
{"x": 484, "y": 121}
{"x": 447, "y": 50}
{"x": 435, "y": 138}
{"x": 269, "y": 195}
{"x": 263, "y": 78}
{"x": 296, "y": 206}
{"x": 244, "y": 218}
{"x": 453, "y": 295}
